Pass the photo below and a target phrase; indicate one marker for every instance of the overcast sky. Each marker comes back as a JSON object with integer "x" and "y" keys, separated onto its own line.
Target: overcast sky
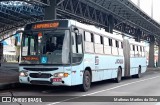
{"x": 145, "y": 5}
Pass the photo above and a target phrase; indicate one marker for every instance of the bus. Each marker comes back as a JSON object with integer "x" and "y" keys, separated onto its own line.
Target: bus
{"x": 68, "y": 53}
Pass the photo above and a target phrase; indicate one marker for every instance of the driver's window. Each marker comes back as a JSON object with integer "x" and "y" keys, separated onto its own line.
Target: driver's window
{"x": 76, "y": 47}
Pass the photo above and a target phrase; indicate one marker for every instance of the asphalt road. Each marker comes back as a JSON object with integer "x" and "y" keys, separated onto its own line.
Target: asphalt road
{"x": 147, "y": 85}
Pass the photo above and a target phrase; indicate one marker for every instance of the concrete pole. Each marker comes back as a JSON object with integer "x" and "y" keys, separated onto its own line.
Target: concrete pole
{"x": 151, "y": 53}
{"x": 110, "y": 24}
{"x": 158, "y": 55}
{"x": 50, "y": 12}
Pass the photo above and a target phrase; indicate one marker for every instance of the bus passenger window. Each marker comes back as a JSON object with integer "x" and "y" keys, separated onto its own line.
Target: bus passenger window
{"x": 117, "y": 44}
{"x": 106, "y": 43}
{"x": 101, "y": 39}
{"x": 140, "y": 48}
{"x": 92, "y": 39}
{"x": 133, "y": 48}
{"x": 121, "y": 44}
{"x": 97, "y": 39}
{"x": 110, "y": 42}
{"x": 76, "y": 49}
{"x": 88, "y": 37}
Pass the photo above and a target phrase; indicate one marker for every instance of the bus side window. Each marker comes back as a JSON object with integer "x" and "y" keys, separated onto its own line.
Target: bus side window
{"x": 107, "y": 48}
{"x": 136, "y": 51}
{"x": 89, "y": 45}
{"x": 133, "y": 48}
{"x": 114, "y": 48}
{"x": 76, "y": 48}
{"x": 98, "y": 44}
{"x": 120, "y": 49}
{"x": 140, "y": 50}
{"x": 121, "y": 44}
{"x": 110, "y": 42}
{"x": 117, "y": 44}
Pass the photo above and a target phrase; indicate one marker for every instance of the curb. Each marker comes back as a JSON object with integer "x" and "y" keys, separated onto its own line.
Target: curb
{"x": 153, "y": 69}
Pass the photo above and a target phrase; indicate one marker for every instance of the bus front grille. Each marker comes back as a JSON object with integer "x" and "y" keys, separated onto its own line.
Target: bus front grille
{"x": 40, "y": 75}
{"x": 40, "y": 69}
{"x": 40, "y": 82}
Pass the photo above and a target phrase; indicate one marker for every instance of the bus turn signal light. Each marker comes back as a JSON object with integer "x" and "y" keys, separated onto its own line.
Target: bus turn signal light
{"x": 65, "y": 74}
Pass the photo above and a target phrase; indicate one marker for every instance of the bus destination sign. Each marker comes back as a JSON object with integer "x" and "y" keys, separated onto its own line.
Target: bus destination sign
{"x": 46, "y": 25}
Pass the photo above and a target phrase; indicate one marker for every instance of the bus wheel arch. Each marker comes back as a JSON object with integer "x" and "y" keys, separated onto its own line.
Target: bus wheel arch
{"x": 90, "y": 70}
{"x": 139, "y": 72}
{"x": 119, "y": 75}
{"x": 87, "y": 79}
{"x": 138, "y": 75}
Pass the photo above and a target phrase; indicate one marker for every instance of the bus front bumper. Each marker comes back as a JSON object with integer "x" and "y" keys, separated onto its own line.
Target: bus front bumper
{"x": 46, "y": 81}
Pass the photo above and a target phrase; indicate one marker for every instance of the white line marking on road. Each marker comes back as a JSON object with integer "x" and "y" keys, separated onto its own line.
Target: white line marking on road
{"x": 104, "y": 90}
{"x": 157, "y": 103}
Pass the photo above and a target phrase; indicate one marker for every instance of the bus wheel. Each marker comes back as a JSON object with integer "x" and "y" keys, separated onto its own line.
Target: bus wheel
{"x": 139, "y": 73}
{"x": 86, "y": 81}
{"x": 119, "y": 76}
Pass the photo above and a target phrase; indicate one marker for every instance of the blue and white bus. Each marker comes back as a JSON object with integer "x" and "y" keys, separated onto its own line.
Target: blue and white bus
{"x": 68, "y": 53}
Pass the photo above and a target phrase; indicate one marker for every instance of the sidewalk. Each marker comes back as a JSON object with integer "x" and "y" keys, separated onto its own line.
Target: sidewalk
{"x": 8, "y": 75}
{"x": 154, "y": 69}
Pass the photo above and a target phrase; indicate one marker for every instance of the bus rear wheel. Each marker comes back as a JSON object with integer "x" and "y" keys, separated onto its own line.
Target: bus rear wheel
{"x": 119, "y": 76}
{"x": 86, "y": 81}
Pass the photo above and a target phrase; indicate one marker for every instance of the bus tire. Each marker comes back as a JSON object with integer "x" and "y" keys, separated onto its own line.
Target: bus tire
{"x": 139, "y": 73}
{"x": 86, "y": 81}
{"x": 119, "y": 76}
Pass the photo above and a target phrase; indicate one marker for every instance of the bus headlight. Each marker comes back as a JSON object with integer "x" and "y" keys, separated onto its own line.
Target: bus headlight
{"x": 61, "y": 75}
{"x": 23, "y": 74}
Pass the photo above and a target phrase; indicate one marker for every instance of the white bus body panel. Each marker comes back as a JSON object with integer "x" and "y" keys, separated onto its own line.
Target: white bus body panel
{"x": 105, "y": 69}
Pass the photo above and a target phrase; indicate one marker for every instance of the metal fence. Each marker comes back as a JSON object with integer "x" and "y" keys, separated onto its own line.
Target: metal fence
{"x": 10, "y": 58}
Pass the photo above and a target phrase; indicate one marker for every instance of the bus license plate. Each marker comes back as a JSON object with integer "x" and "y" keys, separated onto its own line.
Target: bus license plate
{"x": 57, "y": 79}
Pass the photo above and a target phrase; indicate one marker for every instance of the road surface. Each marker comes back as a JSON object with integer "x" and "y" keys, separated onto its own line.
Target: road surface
{"x": 147, "y": 85}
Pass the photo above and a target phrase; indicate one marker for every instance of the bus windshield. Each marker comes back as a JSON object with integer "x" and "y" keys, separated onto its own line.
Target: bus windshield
{"x": 53, "y": 45}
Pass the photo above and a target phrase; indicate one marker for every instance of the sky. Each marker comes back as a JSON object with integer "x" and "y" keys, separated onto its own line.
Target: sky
{"x": 145, "y": 5}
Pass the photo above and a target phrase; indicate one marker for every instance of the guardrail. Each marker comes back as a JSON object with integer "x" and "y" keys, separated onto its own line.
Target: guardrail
{"x": 10, "y": 58}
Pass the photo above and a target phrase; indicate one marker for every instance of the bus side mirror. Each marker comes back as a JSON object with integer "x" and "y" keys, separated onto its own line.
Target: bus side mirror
{"x": 19, "y": 31}
{"x": 79, "y": 39}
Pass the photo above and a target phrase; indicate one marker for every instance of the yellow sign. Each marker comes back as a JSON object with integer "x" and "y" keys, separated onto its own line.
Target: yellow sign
{"x": 29, "y": 58}
{"x": 46, "y": 25}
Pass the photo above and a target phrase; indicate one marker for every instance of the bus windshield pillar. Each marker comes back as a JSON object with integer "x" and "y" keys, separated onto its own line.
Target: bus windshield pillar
{"x": 50, "y": 12}
{"x": 151, "y": 52}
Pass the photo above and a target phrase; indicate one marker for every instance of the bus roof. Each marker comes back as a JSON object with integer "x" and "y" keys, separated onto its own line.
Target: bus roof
{"x": 101, "y": 31}
{"x": 90, "y": 28}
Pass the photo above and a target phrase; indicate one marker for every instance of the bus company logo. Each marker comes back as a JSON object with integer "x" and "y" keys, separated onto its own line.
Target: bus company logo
{"x": 119, "y": 61}
{"x": 6, "y": 99}
{"x": 39, "y": 73}
{"x": 96, "y": 60}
